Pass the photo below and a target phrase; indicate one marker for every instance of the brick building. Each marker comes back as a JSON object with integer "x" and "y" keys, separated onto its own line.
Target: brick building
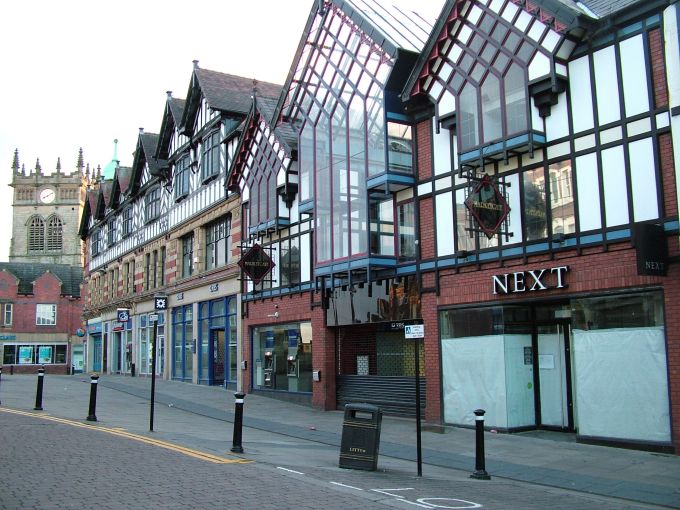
{"x": 41, "y": 315}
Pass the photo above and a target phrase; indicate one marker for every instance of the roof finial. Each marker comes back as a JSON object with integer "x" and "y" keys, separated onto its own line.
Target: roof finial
{"x": 23, "y": 169}
{"x": 58, "y": 165}
{"x": 115, "y": 151}
{"x": 15, "y": 162}
{"x": 80, "y": 165}
{"x": 87, "y": 172}
{"x": 38, "y": 168}
{"x": 169, "y": 93}
{"x": 195, "y": 64}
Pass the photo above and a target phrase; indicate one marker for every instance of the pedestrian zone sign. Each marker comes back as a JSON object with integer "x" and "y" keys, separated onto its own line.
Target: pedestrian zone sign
{"x": 414, "y": 331}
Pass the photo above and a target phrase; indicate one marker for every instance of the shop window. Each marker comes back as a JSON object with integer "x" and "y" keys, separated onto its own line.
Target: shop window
{"x": 561, "y": 198}
{"x": 45, "y": 315}
{"x": 289, "y": 262}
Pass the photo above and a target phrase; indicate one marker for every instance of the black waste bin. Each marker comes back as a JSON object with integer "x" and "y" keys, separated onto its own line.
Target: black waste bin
{"x": 132, "y": 369}
{"x": 360, "y": 437}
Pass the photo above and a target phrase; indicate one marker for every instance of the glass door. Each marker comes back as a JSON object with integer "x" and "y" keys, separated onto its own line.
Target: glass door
{"x": 554, "y": 376}
{"x": 217, "y": 355}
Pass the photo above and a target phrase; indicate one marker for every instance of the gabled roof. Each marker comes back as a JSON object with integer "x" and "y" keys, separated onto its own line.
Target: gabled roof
{"x": 224, "y": 92}
{"x": 172, "y": 119}
{"x": 88, "y": 207}
{"x": 576, "y": 18}
{"x": 71, "y": 277}
{"x": 262, "y": 109}
{"x": 105, "y": 191}
{"x": 145, "y": 154}
{"x": 123, "y": 176}
{"x": 394, "y": 30}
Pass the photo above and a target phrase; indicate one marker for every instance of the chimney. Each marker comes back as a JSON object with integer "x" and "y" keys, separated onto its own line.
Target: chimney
{"x": 195, "y": 64}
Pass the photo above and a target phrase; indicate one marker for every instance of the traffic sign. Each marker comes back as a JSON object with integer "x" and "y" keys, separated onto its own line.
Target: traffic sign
{"x": 414, "y": 331}
{"x": 153, "y": 317}
{"x": 123, "y": 314}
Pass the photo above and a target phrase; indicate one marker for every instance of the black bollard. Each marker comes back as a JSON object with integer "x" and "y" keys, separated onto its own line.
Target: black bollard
{"x": 39, "y": 390}
{"x": 480, "y": 471}
{"x": 0, "y": 381}
{"x": 91, "y": 416}
{"x": 238, "y": 423}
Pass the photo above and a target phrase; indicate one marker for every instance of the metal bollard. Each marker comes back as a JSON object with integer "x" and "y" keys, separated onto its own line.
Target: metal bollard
{"x": 238, "y": 423}
{"x": 480, "y": 471}
{"x": 0, "y": 381}
{"x": 91, "y": 416}
{"x": 39, "y": 390}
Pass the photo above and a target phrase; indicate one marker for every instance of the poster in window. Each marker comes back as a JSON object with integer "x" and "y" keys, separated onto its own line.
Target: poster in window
{"x": 25, "y": 354}
{"x": 45, "y": 354}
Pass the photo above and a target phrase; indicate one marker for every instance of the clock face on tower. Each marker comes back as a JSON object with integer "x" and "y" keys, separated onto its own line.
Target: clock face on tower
{"x": 47, "y": 196}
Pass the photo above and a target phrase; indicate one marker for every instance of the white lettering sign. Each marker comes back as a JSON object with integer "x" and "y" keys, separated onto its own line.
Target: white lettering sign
{"x": 532, "y": 280}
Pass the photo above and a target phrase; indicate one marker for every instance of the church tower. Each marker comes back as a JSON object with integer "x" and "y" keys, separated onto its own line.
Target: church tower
{"x": 46, "y": 214}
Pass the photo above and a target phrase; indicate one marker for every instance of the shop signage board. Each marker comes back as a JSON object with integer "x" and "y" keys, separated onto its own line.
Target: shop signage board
{"x": 123, "y": 314}
{"x": 256, "y": 264}
{"x": 530, "y": 281}
{"x": 487, "y": 206}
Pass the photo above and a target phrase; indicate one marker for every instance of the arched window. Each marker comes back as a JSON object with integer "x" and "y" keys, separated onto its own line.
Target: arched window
{"x": 55, "y": 234}
{"x": 36, "y": 234}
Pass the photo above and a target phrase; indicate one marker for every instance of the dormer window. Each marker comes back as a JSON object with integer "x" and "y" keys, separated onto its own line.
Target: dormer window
{"x": 152, "y": 203}
{"x": 127, "y": 221}
{"x": 111, "y": 232}
{"x": 181, "y": 178}
{"x": 210, "y": 156}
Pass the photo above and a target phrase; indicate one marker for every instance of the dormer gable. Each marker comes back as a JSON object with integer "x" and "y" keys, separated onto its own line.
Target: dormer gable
{"x": 47, "y": 286}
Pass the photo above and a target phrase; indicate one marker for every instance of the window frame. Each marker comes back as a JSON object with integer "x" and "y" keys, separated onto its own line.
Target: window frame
{"x": 210, "y": 156}
{"x": 128, "y": 219}
{"x": 7, "y": 309}
{"x": 182, "y": 177}
{"x": 152, "y": 204}
{"x": 41, "y": 318}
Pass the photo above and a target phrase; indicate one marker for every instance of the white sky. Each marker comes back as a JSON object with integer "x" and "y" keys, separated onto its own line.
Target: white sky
{"x": 81, "y": 73}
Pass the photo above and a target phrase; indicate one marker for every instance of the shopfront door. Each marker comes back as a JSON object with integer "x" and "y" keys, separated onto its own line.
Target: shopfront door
{"x": 217, "y": 355}
{"x": 554, "y": 377}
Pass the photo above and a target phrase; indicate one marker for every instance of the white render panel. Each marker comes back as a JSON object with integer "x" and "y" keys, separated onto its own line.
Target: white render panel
{"x": 444, "y": 224}
{"x": 581, "y": 98}
{"x": 537, "y": 30}
{"x": 523, "y": 21}
{"x": 442, "y": 150}
{"x": 557, "y": 123}
{"x": 305, "y": 258}
{"x": 509, "y": 12}
{"x": 584, "y": 143}
{"x": 643, "y": 180}
{"x": 672, "y": 54}
{"x": 588, "y": 192}
{"x": 614, "y": 185}
{"x": 539, "y": 66}
{"x": 606, "y": 85}
{"x": 662, "y": 120}
{"x": 635, "y": 92}
{"x": 557, "y": 150}
{"x": 443, "y": 183}
{"x": 639, "y": 126}
{"x": 425, "y": 188}
{"x": 611, "y": 135}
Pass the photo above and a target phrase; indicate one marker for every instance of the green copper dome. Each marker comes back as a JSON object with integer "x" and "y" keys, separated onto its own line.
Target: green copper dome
{"x": 110, "y": 168}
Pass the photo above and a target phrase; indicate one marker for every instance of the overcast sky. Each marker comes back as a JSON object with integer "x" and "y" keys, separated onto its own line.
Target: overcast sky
{"x": 81, "y": 73}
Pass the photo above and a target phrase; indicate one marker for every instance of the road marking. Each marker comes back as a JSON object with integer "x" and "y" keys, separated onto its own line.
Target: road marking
{"x": 384, "y": 491}
{"x": 468, "y": 504}
{"x": 117, "y": 431}
{"x": 348, "y": 486}
{"x": 289, "y": 470}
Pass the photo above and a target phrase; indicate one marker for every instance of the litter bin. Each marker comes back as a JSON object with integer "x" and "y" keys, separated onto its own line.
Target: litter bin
{"x": 360, "y": 437}
{"x": 132, "y": 369}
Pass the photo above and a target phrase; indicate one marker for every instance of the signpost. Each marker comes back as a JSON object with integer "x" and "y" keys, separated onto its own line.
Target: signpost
{"x": 160, "y": 305}
{"x": 416, "y": 332}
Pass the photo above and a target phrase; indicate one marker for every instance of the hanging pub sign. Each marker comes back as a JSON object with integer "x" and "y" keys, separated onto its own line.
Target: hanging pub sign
{"x": 256, "y": 264}
{"x": 487, "y": 206}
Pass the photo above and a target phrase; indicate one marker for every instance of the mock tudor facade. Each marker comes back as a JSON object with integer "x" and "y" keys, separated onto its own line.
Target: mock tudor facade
{"x": 503, "y": 175}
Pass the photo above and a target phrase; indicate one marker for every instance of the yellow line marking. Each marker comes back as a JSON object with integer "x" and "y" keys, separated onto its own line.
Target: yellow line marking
{"x": 117, "y": 431}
